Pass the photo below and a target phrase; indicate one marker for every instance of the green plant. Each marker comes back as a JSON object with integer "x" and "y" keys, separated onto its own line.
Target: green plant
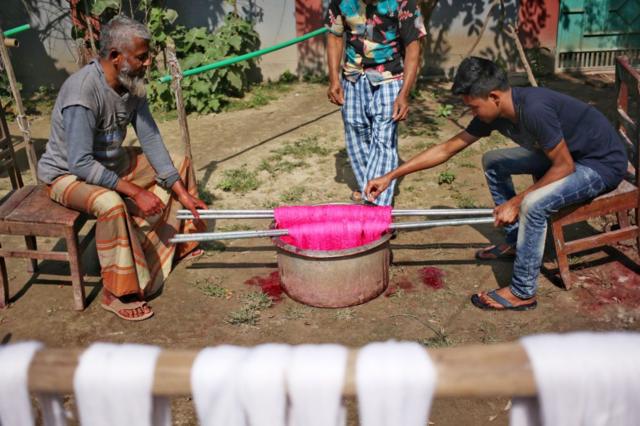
{"x": 249, "y": 313}
{"x": 238, "y": 180}
{"x": 213, "y": 289}
{"x": 444, "y": 110}
{"x": 446, "y": 177}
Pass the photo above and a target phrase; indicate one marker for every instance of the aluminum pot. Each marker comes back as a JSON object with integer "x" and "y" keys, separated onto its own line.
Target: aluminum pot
{"x": 334, "y": 278}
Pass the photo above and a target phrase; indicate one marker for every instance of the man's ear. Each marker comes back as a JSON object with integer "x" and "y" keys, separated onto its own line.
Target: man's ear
{"x": 494, "y": 96}
{"x": 114, "y": 56}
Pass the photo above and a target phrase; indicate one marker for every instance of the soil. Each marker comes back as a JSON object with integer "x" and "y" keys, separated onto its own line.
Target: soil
{"x": 432, "y": 277}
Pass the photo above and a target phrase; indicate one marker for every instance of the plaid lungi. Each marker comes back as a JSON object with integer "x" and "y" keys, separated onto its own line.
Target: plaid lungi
{"x": 371, "y": 135}
{"x": 134, "y": 253}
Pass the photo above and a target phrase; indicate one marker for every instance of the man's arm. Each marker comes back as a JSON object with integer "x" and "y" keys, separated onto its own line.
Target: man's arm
{"x": 411, "y": 61}
{"x": 561, "y": 166}
{"x": 335, "y": 47}
{"x": 427, "y": 159}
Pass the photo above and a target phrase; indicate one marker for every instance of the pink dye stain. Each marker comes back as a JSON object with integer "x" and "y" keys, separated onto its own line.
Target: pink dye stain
{"x": 403, "y": 284}
{"x": 332, "y": 227}
{"x": 269, "y": 285}
{"x": 432, "y": 277}
{"x": 612, "y": 285}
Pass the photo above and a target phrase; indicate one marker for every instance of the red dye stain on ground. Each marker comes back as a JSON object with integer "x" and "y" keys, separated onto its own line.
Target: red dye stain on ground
{"x": 432, "y": 277}
{"x": 270, "y": 285}
{"x": 610, "y": 286}
{"x": 403, "y": 284}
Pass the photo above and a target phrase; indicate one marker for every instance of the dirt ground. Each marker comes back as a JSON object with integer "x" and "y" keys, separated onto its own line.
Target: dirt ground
{"x": 201, "y": 302}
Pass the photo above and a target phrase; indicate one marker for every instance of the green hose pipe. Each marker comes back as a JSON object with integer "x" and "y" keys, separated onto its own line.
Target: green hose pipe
{"x": 229, "y": 61}
{"x": 16, "y": 30}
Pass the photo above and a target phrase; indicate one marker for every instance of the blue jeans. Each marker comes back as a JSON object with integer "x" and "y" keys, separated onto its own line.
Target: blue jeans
{"x": 529, "y": 232}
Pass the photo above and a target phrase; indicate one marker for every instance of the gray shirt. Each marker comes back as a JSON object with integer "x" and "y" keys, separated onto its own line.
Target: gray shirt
{"x": 88, "y": 125}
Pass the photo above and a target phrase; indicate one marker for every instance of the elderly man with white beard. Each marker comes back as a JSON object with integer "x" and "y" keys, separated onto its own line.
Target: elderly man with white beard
{"x": 134, "y": 193}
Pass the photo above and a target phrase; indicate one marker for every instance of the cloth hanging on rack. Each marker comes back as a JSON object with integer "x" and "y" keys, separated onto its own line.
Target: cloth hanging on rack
{"x": 315, "y": 379}
{"x": 583, "y": 379}
{"x": 332, "y": 227}
{"x": 15, "y": 402}
{"x": 214, "y": 385}
{"x": 395, "y": 382}
{"x": 113, "y": 385}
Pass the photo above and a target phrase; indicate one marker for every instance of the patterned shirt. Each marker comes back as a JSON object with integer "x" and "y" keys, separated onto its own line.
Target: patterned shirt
{"x": 377, "y": 33}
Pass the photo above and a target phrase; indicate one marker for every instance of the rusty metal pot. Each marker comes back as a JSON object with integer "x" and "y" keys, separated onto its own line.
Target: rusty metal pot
{"x": 335, "y": 278}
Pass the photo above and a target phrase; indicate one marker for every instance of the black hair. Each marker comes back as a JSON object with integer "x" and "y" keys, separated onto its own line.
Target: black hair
{"x": 477, "y": 77}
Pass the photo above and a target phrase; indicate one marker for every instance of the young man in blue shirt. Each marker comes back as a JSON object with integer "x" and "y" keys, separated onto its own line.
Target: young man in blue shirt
{"x": 569, "y": 147}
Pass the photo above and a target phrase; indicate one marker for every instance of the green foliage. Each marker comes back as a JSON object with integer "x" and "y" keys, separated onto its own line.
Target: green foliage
{"x": 239, "y": 181}
{"x": 446, "y": 177}
{"x": 294, "y": 195}
{"x": 444, "y": 110}
{"x": 249, "y": 313}
{"x": 213, "y": 289}
{"x": 209, "y": 91}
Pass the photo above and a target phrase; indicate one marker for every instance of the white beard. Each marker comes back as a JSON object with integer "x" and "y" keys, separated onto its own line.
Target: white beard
{"x": 134, "y": 84}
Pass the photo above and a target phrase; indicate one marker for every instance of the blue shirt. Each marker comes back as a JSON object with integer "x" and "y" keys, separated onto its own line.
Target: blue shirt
{"x": 545, "y": 117}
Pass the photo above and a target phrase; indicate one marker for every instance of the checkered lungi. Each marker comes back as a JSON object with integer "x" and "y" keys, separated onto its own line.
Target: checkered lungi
{"x": 371, "y": 134}
{"x": 134, "y": 253}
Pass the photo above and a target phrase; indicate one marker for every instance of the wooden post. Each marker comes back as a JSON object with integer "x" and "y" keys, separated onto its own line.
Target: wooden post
{"x": 477, "y": 371}
{"x": 21, "y": 118}
{"x": 513, "y": 33}
{"x": 176, "y": 74}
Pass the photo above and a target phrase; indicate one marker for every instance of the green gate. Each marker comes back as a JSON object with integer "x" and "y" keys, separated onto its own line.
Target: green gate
{"x": 591, "y": 33}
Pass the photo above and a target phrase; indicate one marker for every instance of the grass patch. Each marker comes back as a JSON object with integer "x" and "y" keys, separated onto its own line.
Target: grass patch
{"x": 263, "y": 94}
{"x": 213, "y": 289}
{"x": 204, "y": 194}
{"x": 296, "y": 312}
{"x": 292, "y": 155}
{"x": 294, "y": 195}
{"x": 249, "y": 313}
{"x": 212, "y": 246}
{"x": 238, "y": 180}
{"x": 423, "y": 145}
{"x": 463, "y": 201}
{"x": 446, "y": 177}
{"x": 345, "y": 314}
{"x": 440, "y": 340}
{"x": 468, "y": 165}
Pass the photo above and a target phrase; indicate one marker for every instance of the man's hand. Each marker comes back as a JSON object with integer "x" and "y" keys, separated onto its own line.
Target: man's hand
{"x": 336, "y": 94}
{"x": 507, "y": 213}
{"x": 148, "y": 203}
{"x": 401, "y": 108}
{"x": 375, "y": 187}
{"x": 192, "y": 204}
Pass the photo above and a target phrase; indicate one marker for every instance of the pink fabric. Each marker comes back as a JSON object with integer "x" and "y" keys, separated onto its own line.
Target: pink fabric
{"x": 332, "y": 227}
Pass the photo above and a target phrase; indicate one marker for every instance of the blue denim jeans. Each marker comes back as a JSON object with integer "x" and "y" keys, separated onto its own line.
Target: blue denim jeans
{"x": 529, "y": 232}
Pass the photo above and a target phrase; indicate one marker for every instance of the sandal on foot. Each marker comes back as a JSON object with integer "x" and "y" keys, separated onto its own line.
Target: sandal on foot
{"x": 116, "y": 306}
{"x": 494, "y": 253}
{"x": 191, "y": 256}
{"x": 504, "y": 303}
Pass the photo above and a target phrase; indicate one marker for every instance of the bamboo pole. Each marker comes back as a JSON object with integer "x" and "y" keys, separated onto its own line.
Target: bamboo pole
{"x": 176, "y": 73}
{"x": 477, "y": 371}
{"x": 11, "y": 42}
{"x": 513, "y": 33}
{"x": 21, "y": 117}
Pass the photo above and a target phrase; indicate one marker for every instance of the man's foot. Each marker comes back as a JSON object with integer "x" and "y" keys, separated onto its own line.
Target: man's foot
{"x": 191, "y": 256}
{"x": 128, "y": 308}
{"x": 356, "y": 196}
{"x": 495, "y": 252}
{"x": 502, "y": 300}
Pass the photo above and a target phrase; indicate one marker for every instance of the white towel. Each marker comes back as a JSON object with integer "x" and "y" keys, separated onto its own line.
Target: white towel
{"x": 583, "y": 379}
{"x": 15, "y": 403}
{"x": 262, "y": 384}
{"x": 395, "y": 383}
{"x": 315, "y": 379}
{"x": 214, "y": 385}
{"x": 113, "y": 386}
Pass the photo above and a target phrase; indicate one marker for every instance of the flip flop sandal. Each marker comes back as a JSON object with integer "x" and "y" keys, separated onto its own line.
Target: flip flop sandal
{"x": 495, "y": 252}
{"x": 504, "y": 303}
{"x": 116, "y": 306}
{"x": 190, "y": 257}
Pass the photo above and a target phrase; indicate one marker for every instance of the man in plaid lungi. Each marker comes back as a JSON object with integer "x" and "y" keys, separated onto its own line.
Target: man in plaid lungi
{"x": 381, "y": 63}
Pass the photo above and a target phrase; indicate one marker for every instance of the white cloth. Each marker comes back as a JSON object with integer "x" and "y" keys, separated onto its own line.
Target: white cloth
{"x": 583, "y": 379}
{"x": 214, "y": 385}
{"x": 395, "y": 383}
{"x": 315, "y": 379}
{"x": 113, "y": 386}
{"x": 15, "y": 403}
{"x": 262, "y": 387}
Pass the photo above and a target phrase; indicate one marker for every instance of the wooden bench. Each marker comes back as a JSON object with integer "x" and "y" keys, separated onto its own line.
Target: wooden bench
{"x": 29, "y": 212}
{"x": 621, "y": 201}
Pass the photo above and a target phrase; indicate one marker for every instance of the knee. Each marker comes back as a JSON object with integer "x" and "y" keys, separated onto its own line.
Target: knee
{"x": 490, "y": 160}
{"x": 107, "y": 203}
{"x": 532, "y": 207}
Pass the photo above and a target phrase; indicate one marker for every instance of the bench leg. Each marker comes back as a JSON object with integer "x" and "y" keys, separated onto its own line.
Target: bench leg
{"x": 563, "y": 259}
{"x": 32, "y": 245}
{"x": 4, "y": 284}
{"x": 623, "y": 219}
{"x": 77, "y": 279}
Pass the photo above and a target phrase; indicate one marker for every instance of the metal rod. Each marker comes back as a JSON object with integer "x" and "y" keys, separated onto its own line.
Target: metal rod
{"x": 16, "y": 30}
{"x": 405, "y": 226}
{"x": 268, "y": 214}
